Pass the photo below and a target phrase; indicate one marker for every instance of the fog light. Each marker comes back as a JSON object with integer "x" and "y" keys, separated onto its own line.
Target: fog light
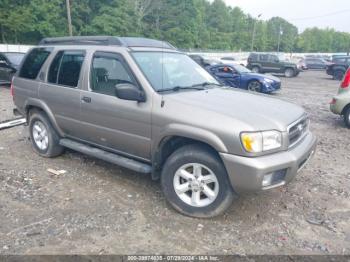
{"x": 267, "y": 180}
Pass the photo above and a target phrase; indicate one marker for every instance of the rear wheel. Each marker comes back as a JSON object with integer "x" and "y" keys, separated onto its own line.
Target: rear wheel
{"x": 289, "y": 72}
{"x": 347, "y": 117}
{"x": 195, "y": 182}
{"x": 338, "y": 75}
{"x": 45, "y": 139}
{"x": 254, "y": 86}
{"x": 255, "y": 69}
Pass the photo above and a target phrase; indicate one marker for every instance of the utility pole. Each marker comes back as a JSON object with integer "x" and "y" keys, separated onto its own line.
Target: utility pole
{"x": 253, "y": 36}
{"x": 280, "y": 32}
{"x": 69, "y": 18}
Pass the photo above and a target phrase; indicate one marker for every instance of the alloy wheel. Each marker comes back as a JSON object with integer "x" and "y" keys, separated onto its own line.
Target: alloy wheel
{"x": 196, "y": 185}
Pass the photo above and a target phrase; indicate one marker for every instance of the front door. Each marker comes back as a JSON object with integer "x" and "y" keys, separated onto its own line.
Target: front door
{"x": 120, "y": 125}
{"x": 228, "y": 75}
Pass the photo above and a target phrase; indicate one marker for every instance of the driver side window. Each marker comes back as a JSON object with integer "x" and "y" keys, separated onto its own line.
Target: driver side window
{"x": 106, "y": 73}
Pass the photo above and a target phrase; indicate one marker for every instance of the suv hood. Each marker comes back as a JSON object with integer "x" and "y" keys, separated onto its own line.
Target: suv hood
{"x": 258, "y": 112}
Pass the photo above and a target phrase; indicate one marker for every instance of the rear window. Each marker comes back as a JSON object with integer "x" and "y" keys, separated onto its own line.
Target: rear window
{"x": 33, "y": 63}
{"x": 15, "y": 58}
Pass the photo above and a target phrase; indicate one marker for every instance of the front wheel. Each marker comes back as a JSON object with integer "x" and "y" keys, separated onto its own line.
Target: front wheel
{"x": 289, "y": 72}
{"x": 254, "y": 86}
{"x": 195, "y": 182}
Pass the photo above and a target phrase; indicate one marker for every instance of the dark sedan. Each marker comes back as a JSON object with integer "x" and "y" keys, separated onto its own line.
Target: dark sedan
{"x": 240, "y": 77}
{"x": 9, "y": 63}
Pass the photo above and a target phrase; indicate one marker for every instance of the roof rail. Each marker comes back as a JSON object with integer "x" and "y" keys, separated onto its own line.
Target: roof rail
{"x": 107, "y": 40}
{"x": 81, "y": 40}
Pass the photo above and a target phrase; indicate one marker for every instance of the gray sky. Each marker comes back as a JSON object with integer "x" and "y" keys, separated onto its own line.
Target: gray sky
{"x": 336, "y": 13}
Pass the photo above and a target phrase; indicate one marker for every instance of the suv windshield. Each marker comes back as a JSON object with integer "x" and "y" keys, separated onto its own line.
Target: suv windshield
{"x": 166, "y": 71}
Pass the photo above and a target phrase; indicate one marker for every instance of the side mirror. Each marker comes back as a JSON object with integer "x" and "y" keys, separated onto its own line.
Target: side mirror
{"x": 129, "y": 92}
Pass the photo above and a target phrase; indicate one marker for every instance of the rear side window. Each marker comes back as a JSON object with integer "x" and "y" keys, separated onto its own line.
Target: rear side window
{"x": 33, "y": 63}
{"x": 65, "y": 68}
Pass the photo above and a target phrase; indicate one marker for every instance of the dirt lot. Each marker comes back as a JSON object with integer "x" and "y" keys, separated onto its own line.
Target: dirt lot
{"x": 98, "y": 208}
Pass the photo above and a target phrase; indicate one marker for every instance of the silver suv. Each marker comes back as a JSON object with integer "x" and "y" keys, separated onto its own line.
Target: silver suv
{"x": 143, "y": 105}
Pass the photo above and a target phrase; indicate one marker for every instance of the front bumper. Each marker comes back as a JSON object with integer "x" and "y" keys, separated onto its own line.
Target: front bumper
{"x": 247, "y": 174}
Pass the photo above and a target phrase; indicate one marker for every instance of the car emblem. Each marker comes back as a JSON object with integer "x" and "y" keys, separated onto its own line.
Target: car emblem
{"x": 300, "y": 128}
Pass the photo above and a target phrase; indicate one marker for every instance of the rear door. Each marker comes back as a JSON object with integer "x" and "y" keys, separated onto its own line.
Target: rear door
{"x": 120, "y": 125}
{"x": 61, "y": 91}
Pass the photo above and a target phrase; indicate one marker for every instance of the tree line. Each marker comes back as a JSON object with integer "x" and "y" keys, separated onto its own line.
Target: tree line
{"x": 187, "y": 24}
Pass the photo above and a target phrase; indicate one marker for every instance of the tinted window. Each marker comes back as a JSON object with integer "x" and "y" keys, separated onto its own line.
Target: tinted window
{"x": 106, "y": 73}
{"x": 253, "y": 57}
{"x": 264, "y": 57}
{"x": 65, "y": 68}
{"x": 273, "y": 58}
{"x": 53, "y": 71}
{"x": 34, "y": 61}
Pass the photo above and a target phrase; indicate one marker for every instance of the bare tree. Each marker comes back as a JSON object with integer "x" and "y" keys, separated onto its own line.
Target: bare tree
{"x": 142, "y": 9}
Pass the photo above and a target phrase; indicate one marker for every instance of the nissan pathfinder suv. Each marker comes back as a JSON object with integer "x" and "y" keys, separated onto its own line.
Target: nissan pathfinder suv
{"x": 143, "y": 105}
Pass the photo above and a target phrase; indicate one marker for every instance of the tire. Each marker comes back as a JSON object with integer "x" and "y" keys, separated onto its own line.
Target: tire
{"x": 45, "y": 140}
{"x": 289, "y": 72}
{"x": 256, "y": 69}
{"x": 338, "y": 75}
{"x": 347, "y": 117}
{"x": 201, "y": 158}
{"x": 254, "y": 86}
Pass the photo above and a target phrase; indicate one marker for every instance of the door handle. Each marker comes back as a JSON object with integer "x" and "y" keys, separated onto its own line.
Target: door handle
{"x": 86, "y": 99}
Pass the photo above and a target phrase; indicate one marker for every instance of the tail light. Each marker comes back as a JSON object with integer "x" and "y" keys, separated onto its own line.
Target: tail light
{"x": 346, "y": 80}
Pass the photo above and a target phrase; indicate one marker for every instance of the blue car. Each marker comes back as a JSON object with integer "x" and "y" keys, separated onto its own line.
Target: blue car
{"x": 240, "y": 77}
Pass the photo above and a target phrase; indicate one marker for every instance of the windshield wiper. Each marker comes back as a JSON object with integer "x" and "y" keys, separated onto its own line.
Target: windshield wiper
{"x": 200, "y": 86}
{"x": 206, "y": 84}
{"x": 178, "y": 88}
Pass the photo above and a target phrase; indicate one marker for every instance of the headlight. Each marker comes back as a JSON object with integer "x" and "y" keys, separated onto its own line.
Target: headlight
{"x": 268, "y": 80}
{"x": 261, "y": 141}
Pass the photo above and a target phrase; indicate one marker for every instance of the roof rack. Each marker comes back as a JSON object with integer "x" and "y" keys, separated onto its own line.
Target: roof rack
{"x": 106, "y": 40}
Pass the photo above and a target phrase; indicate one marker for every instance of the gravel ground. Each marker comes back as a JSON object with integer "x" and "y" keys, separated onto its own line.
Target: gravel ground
{"x": 98, "y": 208}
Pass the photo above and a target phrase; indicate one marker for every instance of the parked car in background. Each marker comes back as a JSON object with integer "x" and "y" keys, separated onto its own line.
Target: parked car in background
{"x": 300, "y": 62}
{"x": 340, "y": 103}
{"x": 230, "y": 60}
{"x": 338, "y": 68}
{"x": 240, "y": 77}
{"x": 204, "y": 61}
{"x": 9, "y": 63}
{"x": 316, "y": 63}
{"x": 270, "y": 63}
{"x": 142, "y": 104}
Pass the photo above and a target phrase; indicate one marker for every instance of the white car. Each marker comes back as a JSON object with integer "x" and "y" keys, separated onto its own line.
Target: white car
{"x": 233, "y": 61}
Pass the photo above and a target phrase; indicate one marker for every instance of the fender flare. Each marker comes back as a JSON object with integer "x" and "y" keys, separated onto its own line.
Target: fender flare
{"x": 33, "y": 102}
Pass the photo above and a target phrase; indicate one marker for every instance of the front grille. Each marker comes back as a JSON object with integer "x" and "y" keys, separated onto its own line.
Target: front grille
{"x": 297, "y": 130}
